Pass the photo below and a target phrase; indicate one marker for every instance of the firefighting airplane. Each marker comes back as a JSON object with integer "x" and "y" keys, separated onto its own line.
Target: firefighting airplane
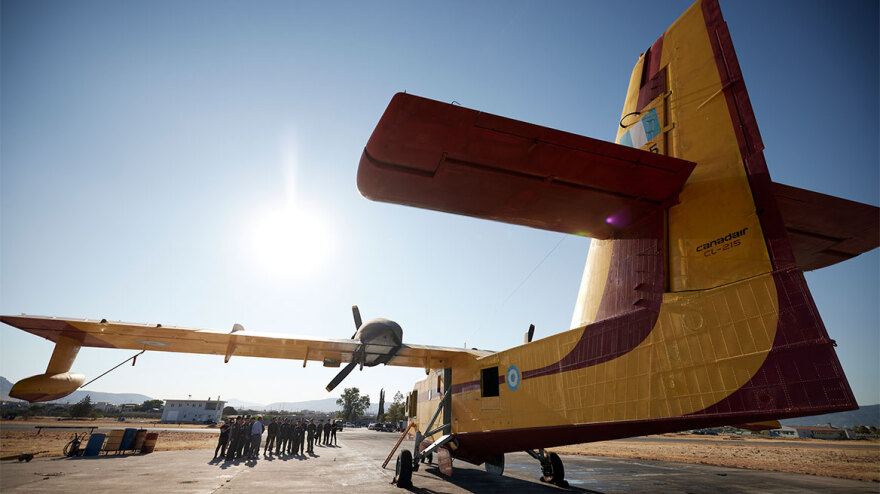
{"x": 693, "y": 310}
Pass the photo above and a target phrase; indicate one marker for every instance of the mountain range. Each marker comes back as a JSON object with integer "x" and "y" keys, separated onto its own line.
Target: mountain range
{"x": 866, "y": 415}
{"x": 323, "y": 405}
{"x": 76, "y": 396}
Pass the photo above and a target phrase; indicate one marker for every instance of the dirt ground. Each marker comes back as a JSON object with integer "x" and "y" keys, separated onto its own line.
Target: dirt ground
{"x": 807, "y": 456}
{"x": 50, "y": 442}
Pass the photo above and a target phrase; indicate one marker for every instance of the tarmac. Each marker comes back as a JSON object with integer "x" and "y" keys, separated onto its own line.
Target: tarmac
{"x": 356, "y": 466}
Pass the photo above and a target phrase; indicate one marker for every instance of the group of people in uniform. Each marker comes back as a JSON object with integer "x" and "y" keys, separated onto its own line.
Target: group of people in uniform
{"x": 240, "y": 437}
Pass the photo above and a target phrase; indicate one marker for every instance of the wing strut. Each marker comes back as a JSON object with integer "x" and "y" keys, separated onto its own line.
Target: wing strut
{"x": 134, "y": 357}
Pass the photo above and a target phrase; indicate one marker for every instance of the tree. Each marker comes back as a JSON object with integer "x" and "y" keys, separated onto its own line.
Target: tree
{"x": 353, "y": 404}
{"x": 149, "y": 405}
{"x": 396, "y": 411}
{"x": 227, "y": 411}
{"x": 380, "y": 417}
{"x": 82, "y": 409}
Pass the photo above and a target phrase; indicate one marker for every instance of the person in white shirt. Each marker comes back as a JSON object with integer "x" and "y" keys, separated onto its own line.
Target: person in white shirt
{"x": 256, "y": 434}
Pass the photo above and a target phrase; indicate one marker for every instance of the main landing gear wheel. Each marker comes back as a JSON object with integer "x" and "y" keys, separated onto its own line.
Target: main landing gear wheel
{"x": 495, "y": 465}
{"x": 404, "y": 469}
{"x": 554, "y": 471}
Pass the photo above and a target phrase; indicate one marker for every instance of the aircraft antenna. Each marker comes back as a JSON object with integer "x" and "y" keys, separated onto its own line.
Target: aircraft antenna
{"x": 523, "y": 282}
{"x": 530, "y": 333}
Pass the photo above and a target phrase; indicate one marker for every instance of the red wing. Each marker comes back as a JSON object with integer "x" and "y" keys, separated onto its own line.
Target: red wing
{"x": 439, "y": 156}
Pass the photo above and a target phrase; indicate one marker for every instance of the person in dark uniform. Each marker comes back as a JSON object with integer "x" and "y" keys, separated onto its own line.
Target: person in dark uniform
{"x": 299, "y": 435}
{"x": 271, "y": 434}
{"x": 283, "y": 437}
{"x": 296, "y": 431}
{"x": 294, "y": 436}
{"x": 302, "y": 438}
{"x": 333, "y": 429}
{"x": 319, "y": 432}
{"x": 233, "y": 439}
{"x": 327, "y": 428}
{"x": 291, "y": 445}
{"x": 244, "y": 436}
{"x": 310, "y": 429}
{"x": 224, "y": 438}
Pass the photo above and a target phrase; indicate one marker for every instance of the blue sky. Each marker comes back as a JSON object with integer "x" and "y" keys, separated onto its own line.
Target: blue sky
{"x": 193, "y": 164}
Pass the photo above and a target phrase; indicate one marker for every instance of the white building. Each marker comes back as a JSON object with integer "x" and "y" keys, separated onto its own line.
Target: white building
{"x": 105, "y": 406}
{"x": 192, "y": 410}
{"x": 813, "y": 432}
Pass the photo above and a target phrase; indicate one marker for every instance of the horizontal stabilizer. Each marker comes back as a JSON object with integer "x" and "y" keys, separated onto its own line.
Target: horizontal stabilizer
{"x": 825, "y": 230}
{"x": 444, "y": 157}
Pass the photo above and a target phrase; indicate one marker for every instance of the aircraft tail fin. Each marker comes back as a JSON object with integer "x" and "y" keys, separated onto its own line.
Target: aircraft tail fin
{"x": 687, "y": 99}
{"x": 735, "y": 243}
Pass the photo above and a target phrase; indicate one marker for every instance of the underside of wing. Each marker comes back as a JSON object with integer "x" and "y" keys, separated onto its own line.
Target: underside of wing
{"x": 134, "y": 336}
{"x": 825, "y": 230}
{"x": 444, "y": 157}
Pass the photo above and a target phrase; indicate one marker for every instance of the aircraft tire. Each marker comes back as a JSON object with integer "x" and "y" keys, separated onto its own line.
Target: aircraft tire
{"x": 495, "y": 465}
{"x": 403, "y": 471}
{"x": 557, "y": 475}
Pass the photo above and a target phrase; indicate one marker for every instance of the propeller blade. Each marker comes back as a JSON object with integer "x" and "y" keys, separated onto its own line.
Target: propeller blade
{"x": 342, "y": 375}
{"x": 357, "y": 319}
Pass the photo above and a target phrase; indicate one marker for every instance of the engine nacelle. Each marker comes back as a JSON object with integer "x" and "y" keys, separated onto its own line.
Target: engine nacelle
{"x": 47, "y": 387}
{"x": 382, "y": 338}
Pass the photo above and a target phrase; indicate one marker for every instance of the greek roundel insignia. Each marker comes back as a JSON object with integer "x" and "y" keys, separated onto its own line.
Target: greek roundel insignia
{"x": 512, "y": 377}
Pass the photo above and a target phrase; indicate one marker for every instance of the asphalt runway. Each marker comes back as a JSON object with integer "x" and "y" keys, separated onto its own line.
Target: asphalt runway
{"x": 355, "y": 466}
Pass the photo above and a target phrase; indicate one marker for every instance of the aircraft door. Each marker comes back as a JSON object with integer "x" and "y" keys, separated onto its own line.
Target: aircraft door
{"x": 489, "y": 389}
{"x": 447, "y": 407}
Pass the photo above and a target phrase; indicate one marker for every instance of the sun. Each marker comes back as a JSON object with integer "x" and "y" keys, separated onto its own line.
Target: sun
{"x": 289, "y": 242}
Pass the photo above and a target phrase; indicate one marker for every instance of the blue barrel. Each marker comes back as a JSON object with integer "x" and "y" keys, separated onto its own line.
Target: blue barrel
{"x": 128, "y": 439}
{"x": 93, "y": 447}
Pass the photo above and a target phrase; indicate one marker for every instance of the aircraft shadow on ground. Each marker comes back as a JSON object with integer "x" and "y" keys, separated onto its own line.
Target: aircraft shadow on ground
{"x": 478, "y": 481}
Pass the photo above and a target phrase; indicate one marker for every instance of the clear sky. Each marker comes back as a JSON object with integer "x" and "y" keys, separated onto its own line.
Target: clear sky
{"x": 193, "y": 164}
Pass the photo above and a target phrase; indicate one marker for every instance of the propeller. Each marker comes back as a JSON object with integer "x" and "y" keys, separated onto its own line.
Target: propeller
{"x": 342, "y": 374}
{"x": 357, "y": 319}
{"x": 384, "y": 337}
